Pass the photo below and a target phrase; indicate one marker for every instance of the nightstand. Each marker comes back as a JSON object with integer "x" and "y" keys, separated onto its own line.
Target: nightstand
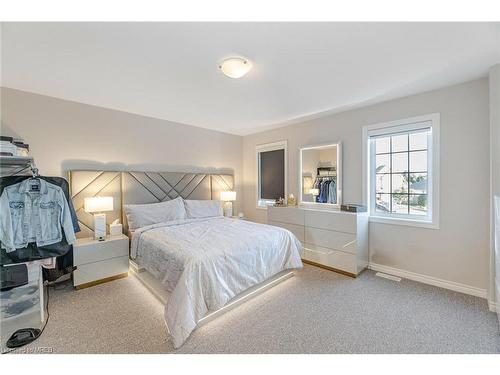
{"x": 100, "y": 261}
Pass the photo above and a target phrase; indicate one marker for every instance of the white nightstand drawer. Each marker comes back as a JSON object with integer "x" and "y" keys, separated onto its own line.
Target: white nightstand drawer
{"x": 88, "y": 250}
{"x": 92, "y": 272}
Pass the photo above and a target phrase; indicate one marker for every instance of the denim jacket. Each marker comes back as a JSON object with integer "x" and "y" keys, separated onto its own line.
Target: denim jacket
{"x": 34, "y": 216}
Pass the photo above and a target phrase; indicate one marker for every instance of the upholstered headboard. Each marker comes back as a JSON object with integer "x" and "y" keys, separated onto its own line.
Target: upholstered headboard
{"x": 138, "y": 188}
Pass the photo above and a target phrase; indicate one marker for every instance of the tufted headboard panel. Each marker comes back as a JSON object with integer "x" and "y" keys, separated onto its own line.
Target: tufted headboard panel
{"x": 140, "y": 188}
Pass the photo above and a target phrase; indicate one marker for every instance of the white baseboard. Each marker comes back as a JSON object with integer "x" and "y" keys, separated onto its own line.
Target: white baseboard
{"x": 495, "y": 307}
{"x": 451, "y": 285}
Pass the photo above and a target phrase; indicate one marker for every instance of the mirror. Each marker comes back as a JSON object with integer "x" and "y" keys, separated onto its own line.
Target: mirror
{"x": 321, "y": 175}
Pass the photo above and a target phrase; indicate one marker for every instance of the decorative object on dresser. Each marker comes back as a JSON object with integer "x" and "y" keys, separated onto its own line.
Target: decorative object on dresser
{"x": 292, "y": 201}
{"x": 280, "y": 202}
{"x": 228, "y": 197}
{"x": 97, "y": 206}
{"x": 98, "y": 262}
{"x": 331, "y": 239}
{"x": 353, "y": 208}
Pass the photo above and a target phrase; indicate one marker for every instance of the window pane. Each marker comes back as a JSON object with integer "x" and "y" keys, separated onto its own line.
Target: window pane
{"x": 400, "y": 162}
{"x": 400, "y": 183}
{"x": 383, "y": 183}
{"x": 383, "y": 164}
{"x": 382, "y": 145}
{"x": 418, "y": 141}
{"x": 272, "y": 174}
{"x": 418, "y": 204}
{"x": 418, "y": 183}
{"x": 400, "y": 143}
{"x": 418, "y": 161}
{"x": 400, "y": 203}
{"x": 383, "y": 203}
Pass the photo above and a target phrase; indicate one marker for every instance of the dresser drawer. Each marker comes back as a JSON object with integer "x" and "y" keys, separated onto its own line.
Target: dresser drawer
{"x": 297, "y": 230}
{"x": 87, "y": 273}
{"x": 330, "y": 258}
{"x": 89, "y": 250}
{"x": 330, "y": 239}
{"x": 338, "y": 221}
{"x": 288, "y": 215}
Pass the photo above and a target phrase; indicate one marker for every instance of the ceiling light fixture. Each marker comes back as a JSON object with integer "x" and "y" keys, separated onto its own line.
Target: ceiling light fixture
{"x": 235, "y": 67}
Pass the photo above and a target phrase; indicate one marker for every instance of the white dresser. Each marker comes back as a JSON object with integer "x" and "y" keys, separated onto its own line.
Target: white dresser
{"x": 100, "y": 261}
{"x": 331, "y": 239}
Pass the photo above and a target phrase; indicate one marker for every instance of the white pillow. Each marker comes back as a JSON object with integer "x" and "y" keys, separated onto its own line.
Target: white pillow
{"x": 203, "y": 208}
{"x": 140, "y": 215}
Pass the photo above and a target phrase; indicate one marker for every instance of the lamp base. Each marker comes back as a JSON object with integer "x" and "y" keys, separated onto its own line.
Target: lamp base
{"x": 100, "y": 227}
{"x": 228, "y": 209}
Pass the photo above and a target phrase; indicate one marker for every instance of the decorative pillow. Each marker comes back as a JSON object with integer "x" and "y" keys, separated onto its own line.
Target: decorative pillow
{"x": 203, "y": 208}
{"x": 140, "y": 215}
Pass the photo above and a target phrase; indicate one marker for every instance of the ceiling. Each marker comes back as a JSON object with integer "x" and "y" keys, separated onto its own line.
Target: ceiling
{"x": 300, "y": 70}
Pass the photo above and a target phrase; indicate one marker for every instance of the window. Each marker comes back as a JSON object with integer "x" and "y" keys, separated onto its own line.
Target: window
{"x": 402, "y": 171}
{"x": 271, "y": 173}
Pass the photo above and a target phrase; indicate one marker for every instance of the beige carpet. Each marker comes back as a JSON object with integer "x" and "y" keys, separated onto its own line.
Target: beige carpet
{"x": 317, "y": 311}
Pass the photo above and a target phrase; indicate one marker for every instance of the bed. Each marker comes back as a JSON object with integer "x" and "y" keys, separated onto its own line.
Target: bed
{"x": 200, "y": 264}
{"x": 203, "y": 264}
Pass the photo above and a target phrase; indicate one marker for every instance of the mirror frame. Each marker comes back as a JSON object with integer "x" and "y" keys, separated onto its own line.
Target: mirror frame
{"x": 339, "y": 177}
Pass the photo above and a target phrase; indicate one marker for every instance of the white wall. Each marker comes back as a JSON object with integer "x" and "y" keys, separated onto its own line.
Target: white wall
{"x": 459, "y": 250}
{"x": 65, "y": 135}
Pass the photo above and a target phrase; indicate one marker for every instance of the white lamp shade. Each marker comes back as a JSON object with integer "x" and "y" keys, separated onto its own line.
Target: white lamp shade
{"x": 98, "y": 204}
{"x": 235, "y": 67}
{"x": 227, "y": 196}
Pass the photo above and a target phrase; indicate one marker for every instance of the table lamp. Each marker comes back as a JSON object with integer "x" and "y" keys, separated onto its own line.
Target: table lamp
{"x": 314, "y": 193}
{"x": 228, "y": 197}
{"x": 97, "y": 206}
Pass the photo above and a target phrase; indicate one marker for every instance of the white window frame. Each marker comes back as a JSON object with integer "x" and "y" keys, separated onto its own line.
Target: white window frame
{"x": 413, "y": 123}
{"x": 280, "y": 145}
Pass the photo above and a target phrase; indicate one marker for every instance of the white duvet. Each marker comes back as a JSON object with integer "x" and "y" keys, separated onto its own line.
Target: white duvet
{"x": 204, "y": 263}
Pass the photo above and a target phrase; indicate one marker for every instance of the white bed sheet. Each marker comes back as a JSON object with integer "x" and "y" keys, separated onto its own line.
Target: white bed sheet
{"x": 204, "y": 263}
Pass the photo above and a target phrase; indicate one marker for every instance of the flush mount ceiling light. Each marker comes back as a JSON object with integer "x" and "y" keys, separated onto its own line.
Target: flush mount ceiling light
{"x": 235, "y": 67}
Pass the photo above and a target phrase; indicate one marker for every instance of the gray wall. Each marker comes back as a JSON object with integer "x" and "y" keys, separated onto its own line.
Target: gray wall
{"x": 459, "y": 250}
{"x": 65, "y": 135}
{"x": 495, "y": 177}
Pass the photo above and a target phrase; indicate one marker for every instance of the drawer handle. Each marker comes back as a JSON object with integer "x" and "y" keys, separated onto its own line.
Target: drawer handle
{"x": 349, "y": 243}
{"x": 318, "y": 251}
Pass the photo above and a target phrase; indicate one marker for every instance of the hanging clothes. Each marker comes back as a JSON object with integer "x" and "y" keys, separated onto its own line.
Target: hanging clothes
{"x": 327, "y": 187}
{"x": 62, "y": 250}
{"x": 58, "y": 181}
{"x": 34, "y": 211}
{"x": 323, "y": 192}
{"x": 332, "y": 192}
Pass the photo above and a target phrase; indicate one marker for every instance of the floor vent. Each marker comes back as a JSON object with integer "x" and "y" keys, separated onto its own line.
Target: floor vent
{"x": 386, "y": 276}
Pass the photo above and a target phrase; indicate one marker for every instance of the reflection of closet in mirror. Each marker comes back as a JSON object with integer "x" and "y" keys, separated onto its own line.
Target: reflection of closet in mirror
{"x": 321, "y": 168}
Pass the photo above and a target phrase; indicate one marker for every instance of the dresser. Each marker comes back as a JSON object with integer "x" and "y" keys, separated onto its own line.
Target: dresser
{"x": 331, "y": 239}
